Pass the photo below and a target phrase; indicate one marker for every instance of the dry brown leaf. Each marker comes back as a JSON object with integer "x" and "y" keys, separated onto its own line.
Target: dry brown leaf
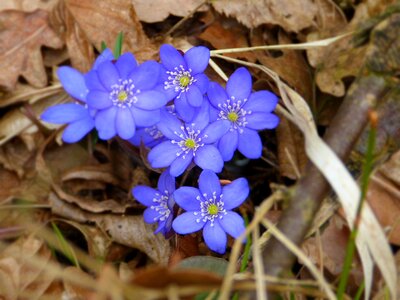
{"x": 80, "y": 50}
{"x": 28, "y": 5}
{"x": 74, "y": 291}
{"x": 9, "y": 182}
{"x": 329, "y": 249}
{"x": 290, "y": 65}
{"x": 22, "y": 36}
{"x": 291, "y": 155}
{"x": 289, "y": 14}
{"x": 23, "y": 279}
{"x": 222, "y": 34}
{"x": 130, "y": 231}
{"x": 342, "y": 59}
{"x": 158, "y": 10}
{"x": 116, "y": 16}
{"x": 383, "y": 294}
{"x": 384, "y": 196}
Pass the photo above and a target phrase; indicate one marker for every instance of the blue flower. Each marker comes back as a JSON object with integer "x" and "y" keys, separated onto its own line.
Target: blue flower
{"x": 189, "y": 142}
{"x": 247, "y": 113}
{"x": 210, "y": 208}
{"x": 149, "y": 136}
{"x": 159, "y": 202}
{"x": 78, "y": 117}
{"x": 183, "y": 79}
{"x": 124, "y": 95}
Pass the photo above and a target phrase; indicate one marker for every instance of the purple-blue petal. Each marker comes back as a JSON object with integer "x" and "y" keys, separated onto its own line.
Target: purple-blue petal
{"x": 163, "y": 154}
{"x": 261, "y": 120}
{"x": 261, "y": 101}
{"x": 77, "y": 130}
{"x": 180, "y": 164}
{"x": 125, "y": 123}
{"x": 239, "y": 84}
{"x": 106, "y": 55}
{"x": 209, "y": 183}
{"x": 145, "y": 194}
{"x": 145, "y": 118}
{"x": 228, "y": 144}
{"x": 208, "y": 157}
{"x": 215, "y": 237}
{"x": 202, "y": 117}
{"x": 92, "y": 81}
{"x": 150, "y": 100}
{"x": 146, "y": 76}
{"x": 249, "y": 143}
{"x": 197, "y": 59}
{"x": 187, "y": 223}
{"x": 64, "y": 113}
{"x": 99, "y": 99}
{"x": 105, "y": 123}
{"x": 233, "y": 224}
{"x": 213, "y": 132}
{"x": 235, "y": 193}
{"x": 169, "y": 125}
{"x": 201, "y": 81}
{"x": 194, "y": 96}
{"x": 108, "y": 74}
{"x": 171, "y": 58}
{"x": 217, "y": 94}
{"x": 187, "y": 197}
{"x": 73, "y": 82}
{"x": 166, "y": 182}
{"x": 185, "y": 111}
{"x": 125, "y": 64}
{"x": 151, "y": 215}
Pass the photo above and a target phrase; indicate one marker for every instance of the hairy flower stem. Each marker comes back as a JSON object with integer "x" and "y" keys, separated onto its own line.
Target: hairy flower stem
{"x": 341, "y": 136}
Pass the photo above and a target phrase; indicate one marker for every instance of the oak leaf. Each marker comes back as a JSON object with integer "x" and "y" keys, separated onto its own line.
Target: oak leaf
{"x": 22, "y": 35}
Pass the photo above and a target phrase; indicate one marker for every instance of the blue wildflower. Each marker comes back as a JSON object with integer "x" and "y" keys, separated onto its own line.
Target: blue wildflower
{"x": 183, "y": 79}
{"x": 78, "y": 117}
{"x": 189, "y": 142}
{"x": 124, "y": 95}
{"x": 149, "y": 136}
{"x": 159, "y": 202}
{"x": 247, "y": 112}
{"x": 210, "y": 208}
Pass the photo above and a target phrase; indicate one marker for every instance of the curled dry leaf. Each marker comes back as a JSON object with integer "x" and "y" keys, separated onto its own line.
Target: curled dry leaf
{"x": 130, "y": 231}
{"x": 17, "y": 276}
{"x": 117, "y": 16}
{"x": 289, "y": 14}
{"x": 384, "y": 196}
{"x": 22, "y": 35}
{"x": 158, "y": 10}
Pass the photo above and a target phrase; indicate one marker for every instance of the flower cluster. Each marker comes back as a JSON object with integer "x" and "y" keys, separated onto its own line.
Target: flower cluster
{"x": 172, "y": 108}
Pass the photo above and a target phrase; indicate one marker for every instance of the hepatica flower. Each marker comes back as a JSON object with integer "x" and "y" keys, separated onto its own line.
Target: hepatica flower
{"x": 187, "y": 142}
{"x": 124, "y": 95}
{"x": 183, "y": 79}
{"x": 210, "y": 208}
{"x": 247, "y": 113}
{"x": 159, "y": 202}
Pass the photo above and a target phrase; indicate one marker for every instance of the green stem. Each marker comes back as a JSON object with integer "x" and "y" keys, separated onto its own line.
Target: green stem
{"x": 118, "y": 45}
{"x": 351, "y": 246}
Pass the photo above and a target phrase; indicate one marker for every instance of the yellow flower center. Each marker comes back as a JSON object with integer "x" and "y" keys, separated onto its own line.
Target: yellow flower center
{"x": 122, "y": 96}
{"x": 232, "y": 116}
{"x": 184, "y": 81}
{"x": 212, "y": 209}
{"x": 190, "y": 143}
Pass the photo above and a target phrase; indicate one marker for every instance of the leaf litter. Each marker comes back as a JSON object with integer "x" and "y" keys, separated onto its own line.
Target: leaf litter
{"x": 87, "y": 186}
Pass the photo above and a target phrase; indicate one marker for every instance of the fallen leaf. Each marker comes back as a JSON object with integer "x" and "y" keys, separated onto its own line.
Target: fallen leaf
{"x": 9, "y": 182}
{"x": 72, "y": 290}
{"x": 28, "y": 5}
{"x": 224, "y": 34}
{"x": 382, "y": 294}
{"x": 18, "y": 276}
{"x": 291, "y": 155}
{"x": 23, "y": 34}
{"x": 117, "y": 16}
{"x": 290, "y": 15}
{"x": 158, "y": 10}
{"x": 384, "y": 196}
